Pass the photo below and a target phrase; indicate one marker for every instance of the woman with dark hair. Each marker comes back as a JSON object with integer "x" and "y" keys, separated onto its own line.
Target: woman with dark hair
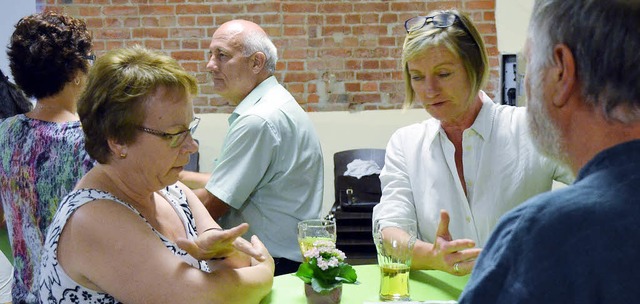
{"x": 13, "y": 100}
{"x": 42, "y": 150}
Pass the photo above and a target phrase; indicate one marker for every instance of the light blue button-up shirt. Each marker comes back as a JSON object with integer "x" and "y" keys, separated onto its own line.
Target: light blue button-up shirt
{"x": 270, "y": 170}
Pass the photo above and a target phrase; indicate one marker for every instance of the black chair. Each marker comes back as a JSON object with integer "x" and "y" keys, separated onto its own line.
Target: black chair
{"x": 354, "y": 225}
{"x": 194, "y": 161}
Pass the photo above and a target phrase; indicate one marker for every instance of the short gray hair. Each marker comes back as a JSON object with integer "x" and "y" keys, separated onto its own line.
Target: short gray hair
{"x": 604, "y": 37}
{"x": 257, "y": 41}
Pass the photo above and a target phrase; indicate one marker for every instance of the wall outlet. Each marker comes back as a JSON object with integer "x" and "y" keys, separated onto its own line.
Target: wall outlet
{"x": 509, "y": 79}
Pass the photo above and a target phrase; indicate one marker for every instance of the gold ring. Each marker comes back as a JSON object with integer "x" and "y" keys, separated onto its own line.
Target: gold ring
{"x": 456, "y": 268}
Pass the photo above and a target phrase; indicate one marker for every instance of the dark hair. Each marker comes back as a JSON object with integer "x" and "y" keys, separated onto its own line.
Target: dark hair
{"x": 13, "y": 100}
{"x": 121, "y": 81}
{"x": 45, "y": 52}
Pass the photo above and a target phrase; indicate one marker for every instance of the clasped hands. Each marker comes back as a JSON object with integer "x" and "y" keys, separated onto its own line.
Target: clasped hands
{"x": 453, "y": 256}
{"x": 218, "y": 243}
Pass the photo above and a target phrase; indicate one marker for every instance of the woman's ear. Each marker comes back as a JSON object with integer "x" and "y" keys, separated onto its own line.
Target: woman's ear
{"x": 119, "y": 150}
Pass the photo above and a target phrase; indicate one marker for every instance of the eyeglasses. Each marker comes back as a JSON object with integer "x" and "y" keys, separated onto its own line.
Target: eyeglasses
{"x": 175, "y": 139}
{"x": 440, "y": 21}
{"x": 91, "y": 58}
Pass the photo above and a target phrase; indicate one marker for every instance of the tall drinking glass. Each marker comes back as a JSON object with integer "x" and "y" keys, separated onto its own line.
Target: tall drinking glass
{"x": 311, "y": 231}
{"x": 394, "y": 239}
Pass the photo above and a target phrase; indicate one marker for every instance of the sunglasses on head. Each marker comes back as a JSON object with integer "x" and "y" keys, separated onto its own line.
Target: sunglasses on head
{"x": 441, "y": 20}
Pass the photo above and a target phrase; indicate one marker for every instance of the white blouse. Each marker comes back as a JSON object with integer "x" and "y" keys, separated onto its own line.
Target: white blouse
{"x": 501, "y": 169}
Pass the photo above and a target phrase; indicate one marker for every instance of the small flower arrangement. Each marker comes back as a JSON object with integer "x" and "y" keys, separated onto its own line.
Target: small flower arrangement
{"x": 325, "y": 268}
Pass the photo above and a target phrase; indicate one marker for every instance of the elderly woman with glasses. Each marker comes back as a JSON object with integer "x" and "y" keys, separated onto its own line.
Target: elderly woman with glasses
{"x": 459, "y": 171}
{"x": 130, "y": 232}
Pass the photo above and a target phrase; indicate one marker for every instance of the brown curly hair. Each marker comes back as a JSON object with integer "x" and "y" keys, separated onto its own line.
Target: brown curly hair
{"x": 46, "y": 51}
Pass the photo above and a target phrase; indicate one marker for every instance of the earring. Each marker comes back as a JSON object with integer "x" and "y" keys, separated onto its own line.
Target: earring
{"x": 76, "y": 81}
{"x": 123, "y": 155}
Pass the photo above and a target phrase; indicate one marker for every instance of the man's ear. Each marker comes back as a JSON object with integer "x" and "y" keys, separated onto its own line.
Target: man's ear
{"x": 563, "y": 74}
{"x": 258, "y": 59}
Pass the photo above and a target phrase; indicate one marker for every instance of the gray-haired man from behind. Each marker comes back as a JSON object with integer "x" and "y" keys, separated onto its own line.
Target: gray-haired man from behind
{"x": 577, "y": 244}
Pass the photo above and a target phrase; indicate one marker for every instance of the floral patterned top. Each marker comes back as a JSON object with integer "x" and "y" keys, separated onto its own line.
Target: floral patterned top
{"x": 57, "y": 287}
{"x": 40, "y": 162}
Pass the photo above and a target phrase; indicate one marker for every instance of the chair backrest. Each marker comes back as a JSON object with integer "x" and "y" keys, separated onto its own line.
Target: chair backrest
{"x": 342, "y": 158}
{"x": 194, "y": 161}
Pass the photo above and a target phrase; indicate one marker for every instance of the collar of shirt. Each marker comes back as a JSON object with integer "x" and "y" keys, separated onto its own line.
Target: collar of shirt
{"x": 620, "y": 155}
{"x": 253, "y": 98}
{"x": 481, "y": 126}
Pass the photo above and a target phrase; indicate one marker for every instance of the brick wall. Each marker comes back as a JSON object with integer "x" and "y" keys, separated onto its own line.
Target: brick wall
{"x": 334, "y": 54}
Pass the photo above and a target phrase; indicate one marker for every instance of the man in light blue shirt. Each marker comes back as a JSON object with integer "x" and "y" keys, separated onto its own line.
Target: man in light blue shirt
{"x": 270, "y": 170}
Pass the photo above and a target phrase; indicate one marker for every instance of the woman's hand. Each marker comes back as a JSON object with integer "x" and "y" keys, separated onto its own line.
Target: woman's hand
{"x": 219, "y": 243}
{"x": 267, "y": 259}
{"x": 453, "y": 256}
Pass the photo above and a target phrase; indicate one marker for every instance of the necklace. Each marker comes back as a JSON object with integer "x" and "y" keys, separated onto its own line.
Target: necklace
{"x": 53, "y": 112}
{"x": 48, "y": 107}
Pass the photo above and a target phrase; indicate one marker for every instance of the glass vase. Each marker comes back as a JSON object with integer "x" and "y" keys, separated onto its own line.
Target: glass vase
{"x": 332, "y": 296}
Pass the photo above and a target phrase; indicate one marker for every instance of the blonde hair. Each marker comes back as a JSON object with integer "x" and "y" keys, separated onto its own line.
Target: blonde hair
{"x": 120, "y": 82}
{"x": 461, "y": 38}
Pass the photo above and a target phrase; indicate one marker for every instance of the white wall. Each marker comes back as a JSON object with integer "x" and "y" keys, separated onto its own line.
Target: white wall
{"x": 11, "y": 12}
{"x": 337, "y": 131}
{"x": 512, "y": 19}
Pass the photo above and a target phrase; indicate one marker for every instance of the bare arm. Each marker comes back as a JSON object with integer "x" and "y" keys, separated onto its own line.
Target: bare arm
{"x": 194, "y": 180}
{"x": 107, "y": 247}
{"x": 213, "y": 241}
{"x": 215, "y": 206}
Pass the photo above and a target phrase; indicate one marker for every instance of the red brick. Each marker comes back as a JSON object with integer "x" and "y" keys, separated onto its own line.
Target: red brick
{"x": 352, "y": 86}
{"x": 186, "y": 20}
{"x": 192, "y": 9}
{"x": 335, "y": 7}
{"x": 263, "y": 7}
{"x": 371, "y": 7}
{"x": 113, "y": 34}
{"x": 362, "y": 98}
{"x": 370, "y": 87}
{"x": 299, "y": 77}
{"x": 294, "y": 30}
{"x": 371, "y": 64}
{"x": 150, "y": 21}
{"x": 295, "y": 87}
{"x": 188, "y": 55}
{"x": 334, "y": 19}
{"x": 157, "y": 10}
{"x": 293, "y": 19}
{"x": 187, "y": 33}
{"x": 153, "y": 44}
{"x": 295, "y": 66}
{"x": 474, "y": 5}
{"x": 359, "y": 42}
{"x": 120, "y": 10}
{"x": 299, "y": 8}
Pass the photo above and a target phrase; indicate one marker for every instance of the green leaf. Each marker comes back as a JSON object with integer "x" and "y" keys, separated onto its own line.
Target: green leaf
{"x": 347, "y": 274}
{"x": 323, "y": 287}
{"x": 305, "y": 272}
